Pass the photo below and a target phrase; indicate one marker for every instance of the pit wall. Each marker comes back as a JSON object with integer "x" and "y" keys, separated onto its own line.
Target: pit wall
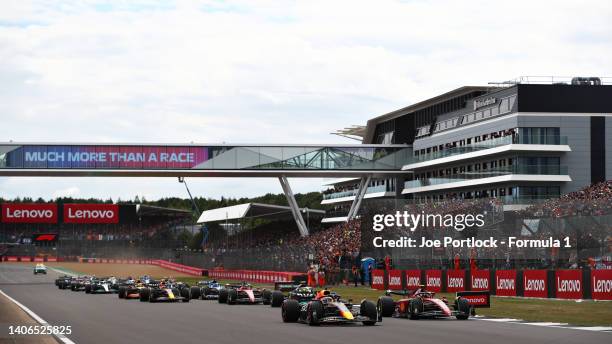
{"x": 559, "y": 284}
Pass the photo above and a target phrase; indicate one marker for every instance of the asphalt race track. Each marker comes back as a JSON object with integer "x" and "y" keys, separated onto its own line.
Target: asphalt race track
{"x": 107, "y": 319}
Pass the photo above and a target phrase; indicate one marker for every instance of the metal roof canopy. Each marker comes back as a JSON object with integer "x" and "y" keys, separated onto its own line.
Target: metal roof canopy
{"x": 247, "y": 210}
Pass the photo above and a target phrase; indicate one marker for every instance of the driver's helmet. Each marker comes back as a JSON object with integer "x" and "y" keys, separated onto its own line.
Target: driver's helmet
{"x": 326, "y": 299}
{"x": 323, "y": 293}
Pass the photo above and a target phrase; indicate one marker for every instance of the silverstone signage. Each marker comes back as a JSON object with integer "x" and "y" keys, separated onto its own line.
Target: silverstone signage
{"x": 484, "y": 102}
{"x": 91, "y": 213}
{"x": 29, "y": 213}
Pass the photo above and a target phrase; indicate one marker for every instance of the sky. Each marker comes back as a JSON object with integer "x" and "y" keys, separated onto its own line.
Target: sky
{"x": 260, "y": 72}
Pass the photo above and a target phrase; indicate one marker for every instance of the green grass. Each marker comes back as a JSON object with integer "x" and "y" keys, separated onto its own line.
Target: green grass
{"x": 587, "y": 313}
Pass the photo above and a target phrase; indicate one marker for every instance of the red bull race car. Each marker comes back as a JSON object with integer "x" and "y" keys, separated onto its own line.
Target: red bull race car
{"x": 420, "y": 303}
{"x": 164, "y": 291}
{"x": 243, "y": 293}
{"x": 329, "y": 308}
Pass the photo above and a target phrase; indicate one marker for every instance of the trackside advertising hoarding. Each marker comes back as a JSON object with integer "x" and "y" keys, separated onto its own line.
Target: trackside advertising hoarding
{"x": 505, "y": 282}
{"x": 479, "y": 280}
{"x": 535, "y": 283}
{"x": 29, "y": 213}
{"x": 601, "y": 284}
{"x": 433, "y": 280}
{"x": 395, "y": 279}
{"x": 413, "y": 279}
{"x": 568, "y": 284}
{"x": 378, "y": 279}
{"x": 91, "y": 213}
{"x": 455, "y": 280}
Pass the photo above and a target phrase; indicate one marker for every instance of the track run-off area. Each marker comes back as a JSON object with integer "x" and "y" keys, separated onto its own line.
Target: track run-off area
{"x": 108, "y": 319}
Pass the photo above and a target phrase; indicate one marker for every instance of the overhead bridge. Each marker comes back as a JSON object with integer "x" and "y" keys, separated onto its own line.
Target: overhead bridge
{"x": 200, "y": 160}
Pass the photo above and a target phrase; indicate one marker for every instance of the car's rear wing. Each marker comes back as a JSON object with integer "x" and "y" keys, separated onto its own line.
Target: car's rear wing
{"x": 477, "y": 299}
{"x": 287, "y": 286}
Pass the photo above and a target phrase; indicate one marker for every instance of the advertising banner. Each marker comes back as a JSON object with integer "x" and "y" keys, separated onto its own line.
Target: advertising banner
{"x": 29, "y": 213}
{"x": 433, "y": 280}
{"x": 413, "y": 279}
{"x": 479, "y": 280}
{"x": 568, "y": 284}
{"x": 378, "y": 279}
{"x": 395, "y": 279}
{"x": 505, "y": 282}
{"x": 535, "y": 283}
{"x": 601, "y": 284}
{"x": 91, "y": 213}
{"x": 455, "y": 280}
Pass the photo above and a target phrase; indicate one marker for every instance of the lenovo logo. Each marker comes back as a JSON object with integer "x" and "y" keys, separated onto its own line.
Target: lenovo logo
{"x": 480, "y": 283}
{"x": 91, "y": 213}
{"x": 395, "y": 280}
{"x": 505, "y": 283}
{"x": 568, "y": 285}
{"x": 413, "y": 281}
{"x": 455, "y": 282}
{"x": 602, "y": 286}
{"x": 433, "y": 282}
{"x": 535, "y": 285}
{"x": 377, "y": 280}
{"x": 29, "y": 213}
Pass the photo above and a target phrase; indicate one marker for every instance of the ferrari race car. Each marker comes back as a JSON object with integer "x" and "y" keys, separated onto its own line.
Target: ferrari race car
{"x": 164, "y": 291}
{"x": 106, "y": 285}
{"x": 242, "y": 293}
{"x": 206, "y": 290}
{"x": 329, "y": 308}
{"x": 40, "y": 269}
{"x": 290, "y": 290}
{"x": 420, "y": 303}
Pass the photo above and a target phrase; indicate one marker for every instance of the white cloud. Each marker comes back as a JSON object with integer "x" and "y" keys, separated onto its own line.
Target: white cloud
{"x": 72, "y": 191}
{"x": 265, "y": 71}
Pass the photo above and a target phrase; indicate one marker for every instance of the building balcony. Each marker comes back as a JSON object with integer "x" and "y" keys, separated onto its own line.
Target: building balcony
{"x": 349, "y": 195}
{"x": 524, "y": 173}
{"x": 490, "y": 147}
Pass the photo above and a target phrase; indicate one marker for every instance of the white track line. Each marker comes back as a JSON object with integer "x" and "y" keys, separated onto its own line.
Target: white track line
{"x": 38, "y": 319}
{"x": 546, "y": 324}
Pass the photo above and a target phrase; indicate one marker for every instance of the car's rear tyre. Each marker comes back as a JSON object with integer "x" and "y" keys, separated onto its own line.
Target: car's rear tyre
{"x": 266, "y": 297}
{"x": 222, "y": 296}
{"x": 186, "y": 294}
{"x": 205, "y": 293}
{"x": 368, "y": 309}
{"x": 314, "y": 313}
{"x": 463, "y": 307}
{"x": 416, "y": 308}
{"x": 277, "y": 299}
{"x": 144, "y": 294}
{"x": 386, "y": 306}
{"x": 290, "y": 311}
{"x": 122, "y": 292}
{"x": 195, "y": 292}
{"x": 232, "y": 296}
{"x": 88, "y": 289}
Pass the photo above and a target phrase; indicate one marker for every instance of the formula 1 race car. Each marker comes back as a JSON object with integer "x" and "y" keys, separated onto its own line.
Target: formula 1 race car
{"x": 63, "y": 282}
{"x": 290, "y": 290}
{"x": 106, "y": 285}
{"x": 79, "y": 283}
{"x": 242, "y": 293}
{"x": 329, "y": 308}
{"x": 206, "y": 290}
{"x": 130, "y": 289}
{"x": 164, "y": 292}
{"x": 40, "y": 269}
{"x": 420, "y": 303}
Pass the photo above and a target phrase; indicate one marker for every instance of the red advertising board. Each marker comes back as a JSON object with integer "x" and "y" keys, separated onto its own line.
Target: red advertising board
{"x": 601, "y": 284}
{"x": 505, "y": 282}
{"x": 433, "y": 280}
{"x": 568, "y": 284}
{"x": 29, "y": 213}
{"x": 535, "y": 283}
{"x": 395, "y": 279}
{"x": 479, "y": 280}
{"x": 378, "y": 279}
{"x": 91, "y": 213}
{"x": 413, "y": 279}
{"x": 455, "y": 280}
